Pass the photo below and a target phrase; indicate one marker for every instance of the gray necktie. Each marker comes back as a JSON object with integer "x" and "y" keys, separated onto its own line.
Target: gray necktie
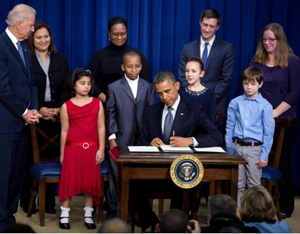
{"x": 168, "y": 125}
{"x": 21, "y": 52}
{"x": 205, "y": 53}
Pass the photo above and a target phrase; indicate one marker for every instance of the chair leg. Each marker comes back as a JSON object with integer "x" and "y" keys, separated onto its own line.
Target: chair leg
{"x": 160, "y": 208}
{"x": 42, "y": 198}
{"x": 32, "y": 199}
{"x": 277, "y": 203}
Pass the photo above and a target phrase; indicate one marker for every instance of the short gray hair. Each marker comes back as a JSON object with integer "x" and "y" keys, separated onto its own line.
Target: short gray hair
{"x": 162, "y": 76}
{"x": 19, "y": 13}
{"x": 221, "y": 204}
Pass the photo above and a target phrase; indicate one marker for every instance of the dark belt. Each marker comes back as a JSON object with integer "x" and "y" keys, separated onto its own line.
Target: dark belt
{"x": 244, "y": 143}
{"x": 83, "y": 144}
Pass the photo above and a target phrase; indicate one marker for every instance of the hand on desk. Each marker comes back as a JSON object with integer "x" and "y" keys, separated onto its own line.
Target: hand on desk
{"x": 181, "y": 141}
{"x": 157, "y": 142}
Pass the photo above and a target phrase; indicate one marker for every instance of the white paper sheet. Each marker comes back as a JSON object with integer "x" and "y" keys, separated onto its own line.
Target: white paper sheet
{"x": 210, "y": 150}
{"x": 169, "y": 148}
{"x": 145, "y": 149}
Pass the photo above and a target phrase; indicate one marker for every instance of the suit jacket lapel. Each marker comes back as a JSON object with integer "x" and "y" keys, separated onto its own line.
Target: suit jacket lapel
{"x": 197, "y": 49}
{"x": 158, "y": 119}
{"x": 15, "y": 52}
{"x": 180, "y": 115}
{"x": 140, "y": 90}
{"x": 127, "y": 89}
{"x": 213, "y": 52}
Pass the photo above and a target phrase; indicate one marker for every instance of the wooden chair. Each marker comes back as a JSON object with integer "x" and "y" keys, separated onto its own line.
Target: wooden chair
{"x": 103, "y": 182}
{"x": 42, "y": 172}
{"x": 271, "y": 174}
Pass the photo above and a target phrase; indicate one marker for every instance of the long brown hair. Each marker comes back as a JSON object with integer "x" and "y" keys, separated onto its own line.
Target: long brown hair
{"x": 282, "y": 51}
{"x": 38, "y": 25}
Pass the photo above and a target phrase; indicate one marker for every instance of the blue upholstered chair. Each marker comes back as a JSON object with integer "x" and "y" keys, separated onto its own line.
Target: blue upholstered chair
{"x": 271, "y": 173}
{"x": 42, "y": 172}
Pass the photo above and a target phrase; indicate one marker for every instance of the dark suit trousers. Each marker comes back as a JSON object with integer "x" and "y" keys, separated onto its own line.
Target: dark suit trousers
{"x": 112, "y": 199}
{"x": 12, "y": 160}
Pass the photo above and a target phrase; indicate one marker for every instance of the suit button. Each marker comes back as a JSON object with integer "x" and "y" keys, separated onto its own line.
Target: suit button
{"x": 53, "y": 91}
{"x": 50, "y": 74}
{"x": 52, "y": 82}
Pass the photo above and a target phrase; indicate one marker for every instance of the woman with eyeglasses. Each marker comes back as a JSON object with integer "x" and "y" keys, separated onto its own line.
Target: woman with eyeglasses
{"x": 106, "y": 63}
{"x": 281, "y": 69}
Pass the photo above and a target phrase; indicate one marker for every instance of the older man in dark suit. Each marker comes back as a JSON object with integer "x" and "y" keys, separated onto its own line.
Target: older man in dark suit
{"x": 18, "y": 104}
{"x": 178, "y": 123}
{"x": 219, "y": 61}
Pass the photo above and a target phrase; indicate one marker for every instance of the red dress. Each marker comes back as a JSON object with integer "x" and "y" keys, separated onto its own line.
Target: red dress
{"x": 80, "y": 174}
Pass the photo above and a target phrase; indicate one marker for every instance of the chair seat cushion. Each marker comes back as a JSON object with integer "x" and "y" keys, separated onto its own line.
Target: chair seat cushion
{"x": 270, "y": 174}
{"x": 104, "y": 168}
{"x": 46, "y": 169}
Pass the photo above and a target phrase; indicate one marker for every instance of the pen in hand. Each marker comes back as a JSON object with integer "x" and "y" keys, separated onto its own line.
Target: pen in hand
{"x": 173, "y": 132}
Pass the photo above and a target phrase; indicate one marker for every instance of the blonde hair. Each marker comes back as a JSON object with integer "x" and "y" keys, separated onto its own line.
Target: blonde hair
{"x": 257, "y": 206}
{"x": 282, "y": 51}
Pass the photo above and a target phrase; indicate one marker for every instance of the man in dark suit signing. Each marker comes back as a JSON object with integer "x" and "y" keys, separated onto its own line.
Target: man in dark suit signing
{"x": 219, "y": 61}
{"x": 178, "y": 123}
{"x": 18, "y": 104}
{"x": 189, "y": 125}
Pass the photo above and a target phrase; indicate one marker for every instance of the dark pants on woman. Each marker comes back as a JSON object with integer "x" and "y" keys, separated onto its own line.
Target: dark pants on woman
{"x": 286, "y": 188}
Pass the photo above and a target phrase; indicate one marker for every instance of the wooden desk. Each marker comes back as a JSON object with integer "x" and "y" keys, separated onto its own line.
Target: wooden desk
{"x": 157, "y": 166}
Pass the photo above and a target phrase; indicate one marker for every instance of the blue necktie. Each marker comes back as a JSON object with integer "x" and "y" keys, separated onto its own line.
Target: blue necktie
{"x": 168, "y": 125}
{"x": 205, "y": 53}
{"x": 21, "y": 52}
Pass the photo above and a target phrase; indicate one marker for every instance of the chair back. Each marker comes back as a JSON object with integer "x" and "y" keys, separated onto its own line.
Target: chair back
{"x": 281, "y": 123}
{"x": 36, "y": 133}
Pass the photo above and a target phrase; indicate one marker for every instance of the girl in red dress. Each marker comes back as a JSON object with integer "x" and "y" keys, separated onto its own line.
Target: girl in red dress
{"x": 82, "y": 147}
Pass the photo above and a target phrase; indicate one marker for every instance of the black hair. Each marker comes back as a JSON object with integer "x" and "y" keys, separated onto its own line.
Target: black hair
{"x": 174, "y": 221}
{"x": 77, "y": 74}
{"x": 116, "y": 20}
{"x": 197, "y": 60}
{"x": 162, "y": 76}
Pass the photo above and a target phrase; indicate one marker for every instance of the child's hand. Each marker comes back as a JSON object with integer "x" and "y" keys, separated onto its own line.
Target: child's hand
{"x": 99, "y": 156}
{"x": 261, "y": 163}
{"x": 61, "y": 158}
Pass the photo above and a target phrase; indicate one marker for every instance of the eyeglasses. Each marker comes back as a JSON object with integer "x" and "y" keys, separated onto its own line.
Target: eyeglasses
{"x": 116, "y": 35}
{"x": 264, "y": 40}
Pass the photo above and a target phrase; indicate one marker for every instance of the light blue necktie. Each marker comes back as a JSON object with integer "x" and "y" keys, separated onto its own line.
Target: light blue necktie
{"x": 205, "y": 53}
{"x": 21, "y": 53}
{"x": 168, "y": 125}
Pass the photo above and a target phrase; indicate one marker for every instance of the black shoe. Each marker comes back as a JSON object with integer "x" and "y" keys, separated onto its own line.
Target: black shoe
{"x": 64, "y": 225}
{"x": 50, "y": 210}
{"x": 90, "y": 225}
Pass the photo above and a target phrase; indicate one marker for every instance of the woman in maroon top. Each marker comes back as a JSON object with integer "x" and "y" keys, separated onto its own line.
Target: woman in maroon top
{"x": 281, "y": 69}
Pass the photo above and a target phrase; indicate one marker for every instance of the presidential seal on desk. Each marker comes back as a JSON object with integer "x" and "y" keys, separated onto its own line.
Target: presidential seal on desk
{"x": 186, "y": 171}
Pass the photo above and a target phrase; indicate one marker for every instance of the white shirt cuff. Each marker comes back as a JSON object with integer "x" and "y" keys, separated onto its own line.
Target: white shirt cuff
{"x": 195, "y": 142}
{"x": 25, "y": 112}
{"x": 112, "y": 136}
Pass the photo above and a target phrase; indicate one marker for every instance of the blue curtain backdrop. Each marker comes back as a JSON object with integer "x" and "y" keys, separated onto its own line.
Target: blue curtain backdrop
{"x": 160, "y": 28}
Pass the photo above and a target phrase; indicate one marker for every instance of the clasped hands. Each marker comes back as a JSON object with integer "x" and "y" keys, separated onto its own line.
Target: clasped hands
{"x": 175, "y": 141}
{"x": 32, "y": 117}
{"x": 49, "y": 113}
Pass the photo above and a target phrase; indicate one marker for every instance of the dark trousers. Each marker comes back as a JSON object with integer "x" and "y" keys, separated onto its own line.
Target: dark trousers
{"x": 112, "y": 198}
{"x": 12, "y": 160}
{"x": 286, "y": 188}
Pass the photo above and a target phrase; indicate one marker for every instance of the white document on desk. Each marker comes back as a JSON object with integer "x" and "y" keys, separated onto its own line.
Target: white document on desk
{"x": 169, "y": 148}
{"x": 143, "y": 149}
{"x": 210, "y": 150}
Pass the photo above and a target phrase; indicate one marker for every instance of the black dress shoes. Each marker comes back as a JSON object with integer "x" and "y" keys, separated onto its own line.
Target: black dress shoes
{"x": 90, "y": 225}
{"x": 63, "y": 225}
{"x": 50, "y": 210}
